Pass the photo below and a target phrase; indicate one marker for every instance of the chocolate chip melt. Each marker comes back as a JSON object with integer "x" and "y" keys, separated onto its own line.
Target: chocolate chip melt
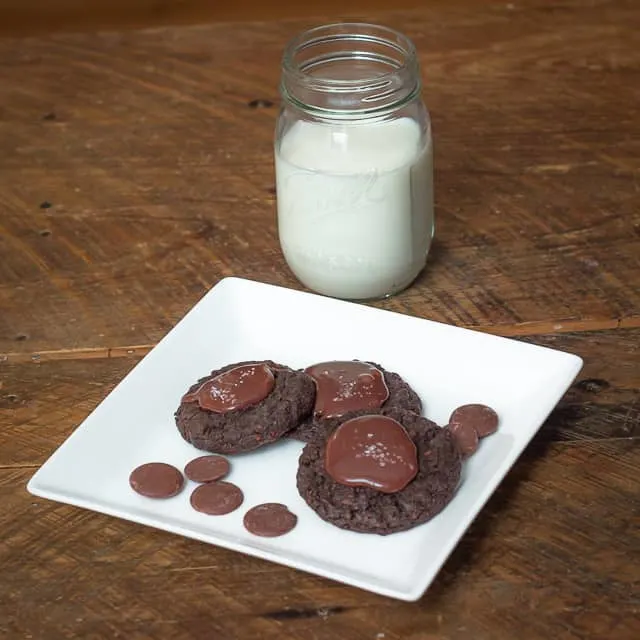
{"x": 478, "y": 416}
{"x": 270, "y": 520}
{"x": 345, "y": 386}
{"x": 207, "y": 468}
{"x": 371, "y": 451}
{"x": 238, "y": 388}
{"x": 156, "y": 480}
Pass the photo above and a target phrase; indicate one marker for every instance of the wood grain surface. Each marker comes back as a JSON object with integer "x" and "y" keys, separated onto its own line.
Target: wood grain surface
{"x": 35, "y": 16}
{"x": 136, "y": 174}
{"x": 136, "y": 171}
{"x": 550, "y": 556}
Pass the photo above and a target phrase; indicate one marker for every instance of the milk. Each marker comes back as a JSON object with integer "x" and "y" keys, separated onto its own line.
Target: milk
{"x": 355, "y": 205}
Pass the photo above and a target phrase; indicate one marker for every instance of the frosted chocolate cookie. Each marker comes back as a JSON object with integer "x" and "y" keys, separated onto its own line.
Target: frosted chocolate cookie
{"x": 347, "y": 389}
{"x": 244, "y": 406}
{"x": 380, "y": 473}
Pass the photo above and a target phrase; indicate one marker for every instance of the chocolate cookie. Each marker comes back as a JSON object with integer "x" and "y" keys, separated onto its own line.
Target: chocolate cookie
{"x": 367, "y": 510}
{"x": 381, "y": 391}
{"x": 244, "y": 406}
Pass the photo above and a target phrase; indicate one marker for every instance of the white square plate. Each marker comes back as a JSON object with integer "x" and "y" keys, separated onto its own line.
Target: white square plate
{"x": 244, "y": 320}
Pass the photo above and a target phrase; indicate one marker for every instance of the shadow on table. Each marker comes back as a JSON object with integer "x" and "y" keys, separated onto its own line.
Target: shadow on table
{"x": 471, "y": 545}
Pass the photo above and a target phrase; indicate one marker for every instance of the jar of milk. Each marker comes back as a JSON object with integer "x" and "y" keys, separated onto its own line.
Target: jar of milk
{"x": 354, "y": 162}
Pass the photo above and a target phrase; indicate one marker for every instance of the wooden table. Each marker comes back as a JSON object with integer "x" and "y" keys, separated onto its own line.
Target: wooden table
{"x": 136, "y": 171}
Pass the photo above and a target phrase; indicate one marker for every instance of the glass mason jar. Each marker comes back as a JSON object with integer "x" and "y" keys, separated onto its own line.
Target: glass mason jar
{"x": 354, "y": 162}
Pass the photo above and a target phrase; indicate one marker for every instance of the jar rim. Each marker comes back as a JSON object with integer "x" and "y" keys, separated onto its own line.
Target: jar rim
{"x": 363, "y": 31}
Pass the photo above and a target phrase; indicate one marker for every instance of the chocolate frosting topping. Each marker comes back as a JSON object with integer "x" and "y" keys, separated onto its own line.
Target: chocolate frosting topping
{"x": 238, "y": 388}
{"x": 345, "y": 386}
{"x": 371, "y": 451}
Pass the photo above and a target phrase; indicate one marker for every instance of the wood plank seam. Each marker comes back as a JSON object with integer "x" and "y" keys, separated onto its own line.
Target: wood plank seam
{"x": 517, "y": 330}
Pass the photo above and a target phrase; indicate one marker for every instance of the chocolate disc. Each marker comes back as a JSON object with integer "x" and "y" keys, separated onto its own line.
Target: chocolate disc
{"x": 482, "y": 418}
{"x": 466, "y": 438}
{"x": 371, "y": 451}
{"x": 345, "y": 386}
{"x": 269, "y": 520}
{"x": 238, "y": 388}
{"x": 156, "y": 480}
{"x": 207, "y": 468}
{"x": 217, "y": 498}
